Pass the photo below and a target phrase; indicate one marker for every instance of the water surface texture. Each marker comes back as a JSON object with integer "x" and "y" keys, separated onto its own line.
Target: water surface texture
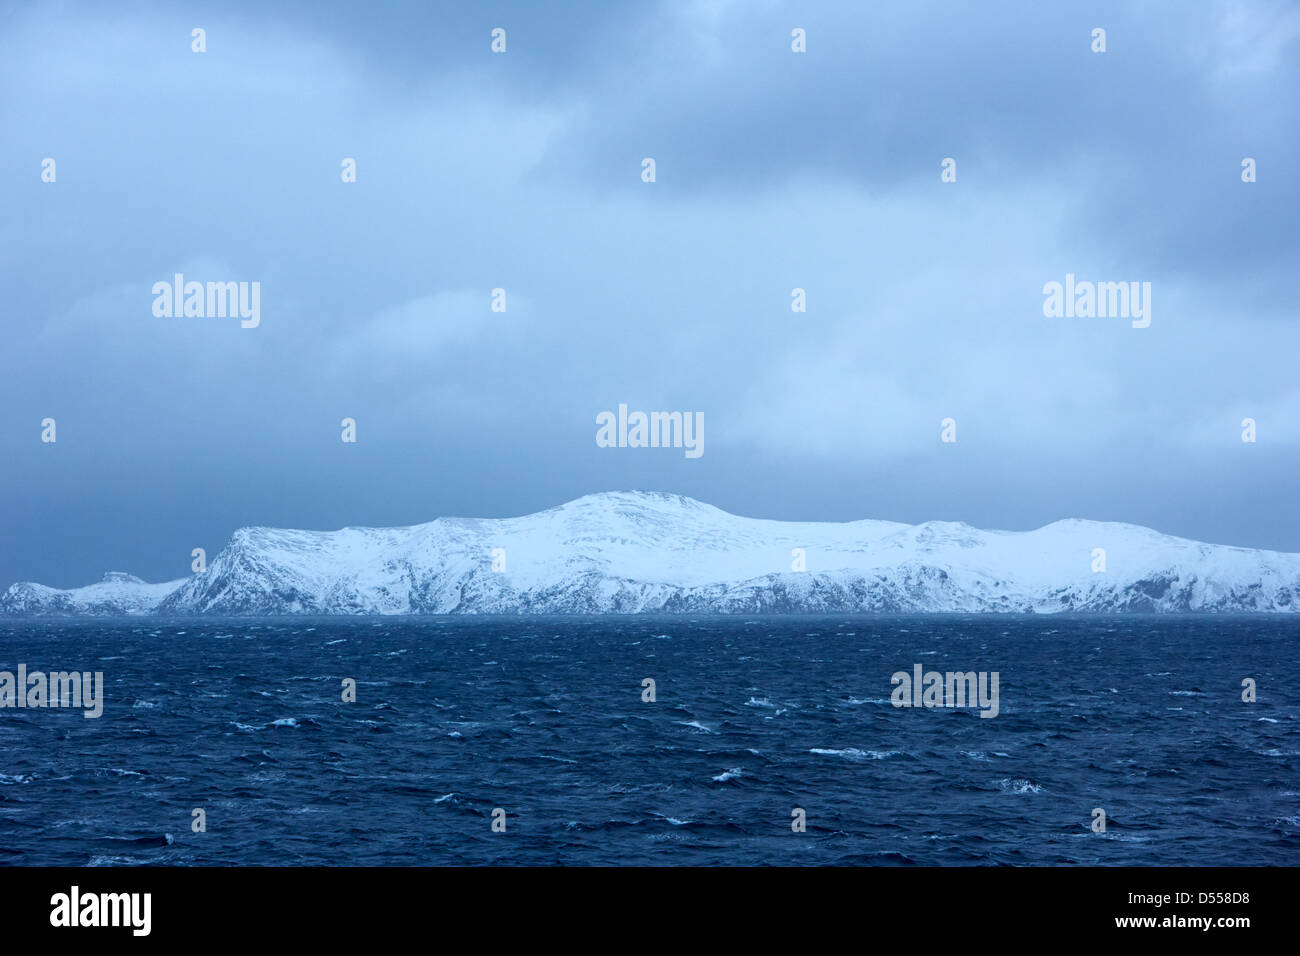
{"x": 544, "y": 717}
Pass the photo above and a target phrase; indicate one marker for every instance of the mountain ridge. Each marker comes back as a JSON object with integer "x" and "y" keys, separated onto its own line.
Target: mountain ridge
{"x": 656, "y": 552}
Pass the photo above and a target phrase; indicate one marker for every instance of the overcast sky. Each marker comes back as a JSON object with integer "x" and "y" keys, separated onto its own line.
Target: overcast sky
{"x": 523, "y": 171}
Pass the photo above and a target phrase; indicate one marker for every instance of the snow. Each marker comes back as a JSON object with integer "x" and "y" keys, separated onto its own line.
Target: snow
{"x": 622, "y": 552}
{"x": 117, "y": 593}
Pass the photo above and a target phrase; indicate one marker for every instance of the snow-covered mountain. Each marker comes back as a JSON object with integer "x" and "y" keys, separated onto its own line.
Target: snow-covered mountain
{"x": 639, "y": 552}
{"x": 117, "y": 593}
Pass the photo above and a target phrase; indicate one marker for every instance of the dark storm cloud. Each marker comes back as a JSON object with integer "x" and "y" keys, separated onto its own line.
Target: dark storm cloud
{"x": 522, "y": 171}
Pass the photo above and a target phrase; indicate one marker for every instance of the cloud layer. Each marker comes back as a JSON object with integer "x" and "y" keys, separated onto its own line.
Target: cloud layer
{"x": 522, "y": 171}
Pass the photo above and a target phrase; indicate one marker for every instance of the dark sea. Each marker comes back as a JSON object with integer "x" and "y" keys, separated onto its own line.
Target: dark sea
{"x": 543, "y": 718}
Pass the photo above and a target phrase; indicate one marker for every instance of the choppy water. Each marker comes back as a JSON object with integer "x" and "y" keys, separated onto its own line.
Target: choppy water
{"x": 754, "y": 717}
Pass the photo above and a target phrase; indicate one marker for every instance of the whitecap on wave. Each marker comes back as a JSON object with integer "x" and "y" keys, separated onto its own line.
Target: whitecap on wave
{"x": 696, "y": 725}
{"x": 853, "y": 753}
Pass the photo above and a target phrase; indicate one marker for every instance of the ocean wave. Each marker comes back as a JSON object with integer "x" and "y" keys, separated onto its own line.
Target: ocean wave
{"x": 853, "y": 753}
{"x": 102, "y": 860}
{"x": 695, "y": 724}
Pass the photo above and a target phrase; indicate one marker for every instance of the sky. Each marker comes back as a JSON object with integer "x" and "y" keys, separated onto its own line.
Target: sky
{"x": 523, "y": 170}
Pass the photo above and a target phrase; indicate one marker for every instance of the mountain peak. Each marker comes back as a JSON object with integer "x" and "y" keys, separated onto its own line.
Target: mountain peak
{"x": 114, "y": 577}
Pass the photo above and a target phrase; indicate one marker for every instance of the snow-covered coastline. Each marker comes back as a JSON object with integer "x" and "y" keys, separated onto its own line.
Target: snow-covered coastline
{"x": 643, "y": 552}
